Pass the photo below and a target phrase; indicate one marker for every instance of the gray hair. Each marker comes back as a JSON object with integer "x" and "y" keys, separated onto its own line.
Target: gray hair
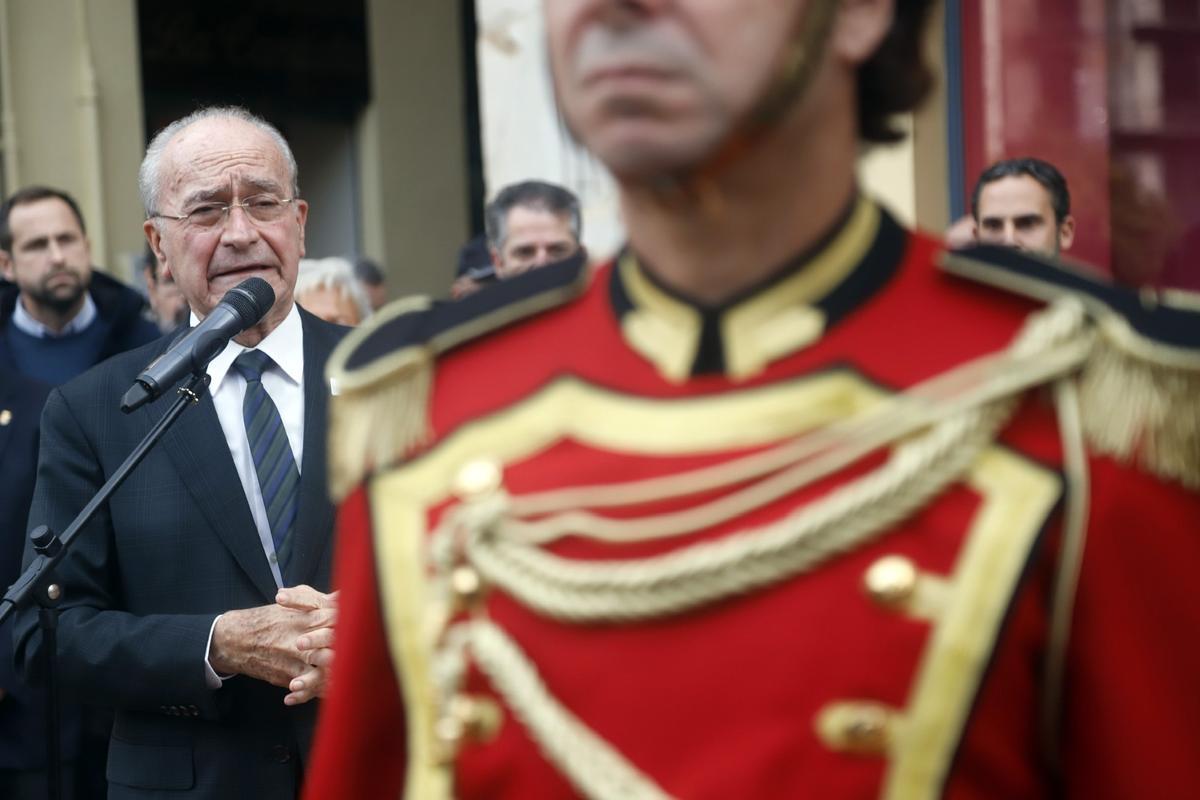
{"x": 149, "y": 177}
{"x": 537, "y": 195}
{"x": 332, "y": 273}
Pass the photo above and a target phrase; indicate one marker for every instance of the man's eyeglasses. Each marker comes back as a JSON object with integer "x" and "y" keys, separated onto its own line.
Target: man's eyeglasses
{"x": 260, "y": 208}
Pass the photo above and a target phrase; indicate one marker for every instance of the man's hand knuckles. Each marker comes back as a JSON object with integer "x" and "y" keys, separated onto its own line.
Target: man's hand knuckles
{"x": 320, "y": 618}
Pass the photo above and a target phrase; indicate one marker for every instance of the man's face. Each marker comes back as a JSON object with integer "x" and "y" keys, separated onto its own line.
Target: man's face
{"x": 221, "y": 161}
{"x": 331, "y": 304}
{"x": 1016, "y": 211}
{"x": 377, "y": 294}
{"x": 166, "y": 301}
{"x": 51, "y": 259}
{"x": 652, "y": 86}
{"x": 534, "y": 238}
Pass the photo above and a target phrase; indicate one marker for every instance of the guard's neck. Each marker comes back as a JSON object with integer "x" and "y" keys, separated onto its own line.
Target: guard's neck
{"x": 726, "y": 233}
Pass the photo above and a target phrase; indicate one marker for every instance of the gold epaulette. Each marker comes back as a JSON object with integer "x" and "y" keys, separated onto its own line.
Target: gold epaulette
{"x": 381, "y": 373}
{"x": 1140, "y": 385}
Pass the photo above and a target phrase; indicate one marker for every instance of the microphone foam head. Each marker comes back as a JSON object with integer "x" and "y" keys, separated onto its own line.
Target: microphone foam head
{"x": 251, "y": 300}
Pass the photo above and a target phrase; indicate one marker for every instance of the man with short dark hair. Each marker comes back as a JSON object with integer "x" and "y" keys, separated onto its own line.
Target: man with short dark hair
{"x": 1022, "y": 203}
{"x": 531, "y": 224}
{"x": 59, "y": 316}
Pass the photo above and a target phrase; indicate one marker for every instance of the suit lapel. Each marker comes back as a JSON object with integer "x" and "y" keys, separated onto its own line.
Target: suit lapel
{"x": 314, "y": 522}
{"x": 196, "y": 445}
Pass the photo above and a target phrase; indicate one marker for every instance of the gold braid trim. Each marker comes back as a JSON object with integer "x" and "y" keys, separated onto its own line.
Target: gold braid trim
{"x": 380, "y": 411}
{"x": 752, "y": 558}
{"x": 583, "y": 592}
{"x": 592, "y": 765}
{"x": 1138, "y": 397}
{"x": 1140, "y": 403}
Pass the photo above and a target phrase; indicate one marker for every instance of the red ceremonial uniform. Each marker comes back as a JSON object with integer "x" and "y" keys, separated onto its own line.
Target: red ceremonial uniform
{"x": 884, "y": 627}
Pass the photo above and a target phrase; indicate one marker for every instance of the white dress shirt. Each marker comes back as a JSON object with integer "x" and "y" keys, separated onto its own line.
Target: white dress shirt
{"x": 284, "y": 382}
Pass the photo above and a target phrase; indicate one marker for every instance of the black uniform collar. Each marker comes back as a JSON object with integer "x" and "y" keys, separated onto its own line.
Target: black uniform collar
{"x": 791, "y": 310}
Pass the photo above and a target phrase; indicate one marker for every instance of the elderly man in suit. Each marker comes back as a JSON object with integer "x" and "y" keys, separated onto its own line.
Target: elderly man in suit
{"x": 189, "y": 596}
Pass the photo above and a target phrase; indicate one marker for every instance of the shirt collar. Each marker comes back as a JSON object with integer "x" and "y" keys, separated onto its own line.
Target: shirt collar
{"x": 285, "y": 346}
{"x": 26, "y": 323}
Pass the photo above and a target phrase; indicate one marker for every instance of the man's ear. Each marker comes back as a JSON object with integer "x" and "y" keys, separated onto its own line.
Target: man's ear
{"x": 6, "y": 266}
{"x": 154, "y": 239}
{"x": 302, "y": 210}
{"x": 1066, "y": 233}
{"x": 860, "y": 27}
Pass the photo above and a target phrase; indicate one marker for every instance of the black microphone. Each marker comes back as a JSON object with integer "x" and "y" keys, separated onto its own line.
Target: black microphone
{"x": 241, "y": 307}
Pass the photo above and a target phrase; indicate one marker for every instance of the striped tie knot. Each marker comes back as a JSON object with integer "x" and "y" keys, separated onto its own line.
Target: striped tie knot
{"x": 252, "y": 364}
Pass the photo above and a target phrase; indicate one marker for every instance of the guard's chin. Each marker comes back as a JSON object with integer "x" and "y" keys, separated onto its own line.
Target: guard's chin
{"x": 638, "y": 140}
{"x": 643, "y": 160}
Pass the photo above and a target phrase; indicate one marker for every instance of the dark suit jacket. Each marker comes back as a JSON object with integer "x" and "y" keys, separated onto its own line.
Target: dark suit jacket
{"x": 23, "y": 709}
{"x": 174, "y": 547}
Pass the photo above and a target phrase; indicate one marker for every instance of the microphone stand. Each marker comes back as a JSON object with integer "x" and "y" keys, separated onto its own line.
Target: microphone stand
{"x": 38, "y": 578}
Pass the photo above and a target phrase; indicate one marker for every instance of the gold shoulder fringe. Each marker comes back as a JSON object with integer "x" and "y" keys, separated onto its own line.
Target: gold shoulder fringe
{"x": 377, "y": 413}
{"x": 380, "y": 412}
{"x": 1140, "y": 402}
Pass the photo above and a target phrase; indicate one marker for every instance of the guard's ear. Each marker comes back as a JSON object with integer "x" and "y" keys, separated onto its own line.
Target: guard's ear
{"x": 860, "y": 28}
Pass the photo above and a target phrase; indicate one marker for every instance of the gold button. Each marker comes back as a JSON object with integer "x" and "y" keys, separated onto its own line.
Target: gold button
{"x": 467, "y": 587}
{"x": 480, "y": 717}
{"x": 448, "y": 734}
{"x": 891, "y": 581}
{"x": 862, "y": 728}
{"x": 477, "y": 478}
{"x": 5, "y": 417}
{"x": 466, "y": 718}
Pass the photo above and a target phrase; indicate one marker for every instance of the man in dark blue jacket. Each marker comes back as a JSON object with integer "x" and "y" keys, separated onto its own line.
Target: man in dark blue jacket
{"x": 22, "y": 708}
{"x": 57, "y": 315}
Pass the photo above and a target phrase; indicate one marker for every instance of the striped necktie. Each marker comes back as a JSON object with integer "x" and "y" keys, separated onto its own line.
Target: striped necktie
{"x": 278, "y": 477}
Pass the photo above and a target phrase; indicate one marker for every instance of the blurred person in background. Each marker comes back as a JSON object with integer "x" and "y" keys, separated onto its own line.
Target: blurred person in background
{"x": 328, "y": 288}
{"x": 1022, "y": 203}
{"x": 373, "y": 281}
{"x": 168, "y": 307}
{"x": 475, "y": 267}
{"x": 59, "y": 316}
{"x": 24, "y": 763}
{"x": 532, "y": 224}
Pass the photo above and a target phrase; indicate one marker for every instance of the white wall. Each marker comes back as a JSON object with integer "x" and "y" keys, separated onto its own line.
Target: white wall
{"x": 522, "y": 135}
